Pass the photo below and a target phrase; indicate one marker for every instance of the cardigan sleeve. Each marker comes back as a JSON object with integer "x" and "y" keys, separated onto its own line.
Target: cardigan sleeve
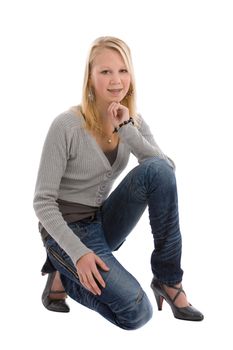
{"x": 52, "y": 166}
{"x": 141, "y": 142}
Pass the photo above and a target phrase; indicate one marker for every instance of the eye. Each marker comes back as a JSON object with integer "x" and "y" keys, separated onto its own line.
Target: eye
{"x": 123, "y": 71}
{"x": 105, "y": 71}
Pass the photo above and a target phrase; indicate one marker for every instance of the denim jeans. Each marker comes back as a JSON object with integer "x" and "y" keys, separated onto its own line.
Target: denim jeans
{"x": 123, "y": 301}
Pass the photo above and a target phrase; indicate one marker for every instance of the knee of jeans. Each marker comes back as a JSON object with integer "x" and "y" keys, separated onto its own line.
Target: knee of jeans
{"x": 156, "y": 163}
{"x": 160, "y": 168}
{"x": 139, "y": 314}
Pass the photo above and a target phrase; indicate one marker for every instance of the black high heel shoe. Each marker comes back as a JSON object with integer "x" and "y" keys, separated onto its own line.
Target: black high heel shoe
{"x": 57, "y": 305}
{"x": 188, "y": 313}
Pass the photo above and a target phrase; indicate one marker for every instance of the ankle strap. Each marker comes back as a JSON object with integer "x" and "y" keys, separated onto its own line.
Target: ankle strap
{"x": 179, "y": 290}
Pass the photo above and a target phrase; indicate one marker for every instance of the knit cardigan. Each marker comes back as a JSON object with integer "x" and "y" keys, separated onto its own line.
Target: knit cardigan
{"x": 74, "y": 168}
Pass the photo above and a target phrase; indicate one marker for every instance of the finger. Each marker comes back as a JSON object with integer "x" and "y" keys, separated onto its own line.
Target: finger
{"x": 92, "y": 285}
{"x": 99, "y": 278}
{"x": 116, "y": 110}
{"x": 113, "y": 108}
{"x": 80, "y": 278}
{"x": 101, "y": 264}
{"x": 86, "y": 283}
{"x": 112, "y": 111}
{"x": 83, "y": 280}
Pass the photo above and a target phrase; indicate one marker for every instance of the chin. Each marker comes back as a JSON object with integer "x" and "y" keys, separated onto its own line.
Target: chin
{"x": 117, "y": 99}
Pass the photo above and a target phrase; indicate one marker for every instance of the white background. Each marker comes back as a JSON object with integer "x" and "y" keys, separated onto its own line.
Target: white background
{"x": 182, "y": 53}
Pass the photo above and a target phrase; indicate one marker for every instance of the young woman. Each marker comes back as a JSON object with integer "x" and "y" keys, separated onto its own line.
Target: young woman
{"x": 82, "y": 223}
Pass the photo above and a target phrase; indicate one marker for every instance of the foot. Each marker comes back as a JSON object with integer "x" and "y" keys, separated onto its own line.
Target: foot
{"x": 176, "y": 298}
{"x": 57, "y": 288}
{"x": 181, "y": 299}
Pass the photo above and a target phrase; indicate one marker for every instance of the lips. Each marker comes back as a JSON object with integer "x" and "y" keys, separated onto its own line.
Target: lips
{"x": 115, "y": 91}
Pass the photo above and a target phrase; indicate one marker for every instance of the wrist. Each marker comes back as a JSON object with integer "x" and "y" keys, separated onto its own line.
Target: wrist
{"x": 117, "y": 128}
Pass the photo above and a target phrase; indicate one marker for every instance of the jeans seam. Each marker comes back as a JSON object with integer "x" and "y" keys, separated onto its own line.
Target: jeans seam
{"x": 140, "y": 296}
{"x": 57, "y": 257}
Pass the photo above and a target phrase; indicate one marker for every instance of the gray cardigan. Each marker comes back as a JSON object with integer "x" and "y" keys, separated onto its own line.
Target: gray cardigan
{"x": 74, "y": 168}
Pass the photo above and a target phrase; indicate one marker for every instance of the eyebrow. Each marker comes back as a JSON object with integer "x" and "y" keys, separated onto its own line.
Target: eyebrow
{"x": 107, "y": 67}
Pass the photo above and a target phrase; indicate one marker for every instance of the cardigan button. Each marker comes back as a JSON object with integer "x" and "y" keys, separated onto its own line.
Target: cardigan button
{"x": 99, "y": 200}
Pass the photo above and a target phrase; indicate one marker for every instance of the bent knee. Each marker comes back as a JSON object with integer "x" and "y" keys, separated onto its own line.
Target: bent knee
{"x": 159, "y": 164}
{"x": 157, "y": 169}
{"x": 138, "y": 315}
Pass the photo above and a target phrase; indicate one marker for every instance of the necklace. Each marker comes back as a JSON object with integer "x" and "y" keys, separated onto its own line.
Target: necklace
{"x": 108, "y": 138}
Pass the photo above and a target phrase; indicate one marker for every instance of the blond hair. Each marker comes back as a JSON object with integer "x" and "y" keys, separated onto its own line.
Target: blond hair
{"x": 88, "y": 105}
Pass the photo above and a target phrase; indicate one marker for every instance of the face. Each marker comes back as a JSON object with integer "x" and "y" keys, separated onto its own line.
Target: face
{"x": 110, "y": 78}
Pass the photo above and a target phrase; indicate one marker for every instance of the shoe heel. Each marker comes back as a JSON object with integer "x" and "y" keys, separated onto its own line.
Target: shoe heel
{"x": 159, "y": 299}
{"x": 57, "y": 305}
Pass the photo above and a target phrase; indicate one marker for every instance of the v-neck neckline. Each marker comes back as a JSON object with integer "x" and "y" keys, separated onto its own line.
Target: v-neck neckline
{"x": 100, "y": 151}
{"x": 111, "y": 155}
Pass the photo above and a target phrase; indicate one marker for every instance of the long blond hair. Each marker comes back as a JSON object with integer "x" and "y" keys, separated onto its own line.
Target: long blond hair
{"x": 88, "y": 105}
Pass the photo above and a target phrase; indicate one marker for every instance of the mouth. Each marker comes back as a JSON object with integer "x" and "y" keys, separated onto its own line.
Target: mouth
{"x": 115, "y": 91}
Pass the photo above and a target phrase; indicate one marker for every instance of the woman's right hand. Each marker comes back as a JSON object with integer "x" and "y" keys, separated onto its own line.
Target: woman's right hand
{"x": 88, "y": 272}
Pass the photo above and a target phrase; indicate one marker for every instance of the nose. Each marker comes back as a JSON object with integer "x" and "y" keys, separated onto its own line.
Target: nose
{"x": 115, "y": 79}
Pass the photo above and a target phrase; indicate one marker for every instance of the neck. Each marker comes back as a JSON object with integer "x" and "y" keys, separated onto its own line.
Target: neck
{"x": 104, "y": 121}
{"x": 102, "y": 111}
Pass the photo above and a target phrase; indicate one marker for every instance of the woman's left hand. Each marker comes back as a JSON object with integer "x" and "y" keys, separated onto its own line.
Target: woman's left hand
{"x": 117, "y": 113}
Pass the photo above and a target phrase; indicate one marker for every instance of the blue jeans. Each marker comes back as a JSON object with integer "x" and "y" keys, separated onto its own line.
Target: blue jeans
{"x": 123, "y": 301}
